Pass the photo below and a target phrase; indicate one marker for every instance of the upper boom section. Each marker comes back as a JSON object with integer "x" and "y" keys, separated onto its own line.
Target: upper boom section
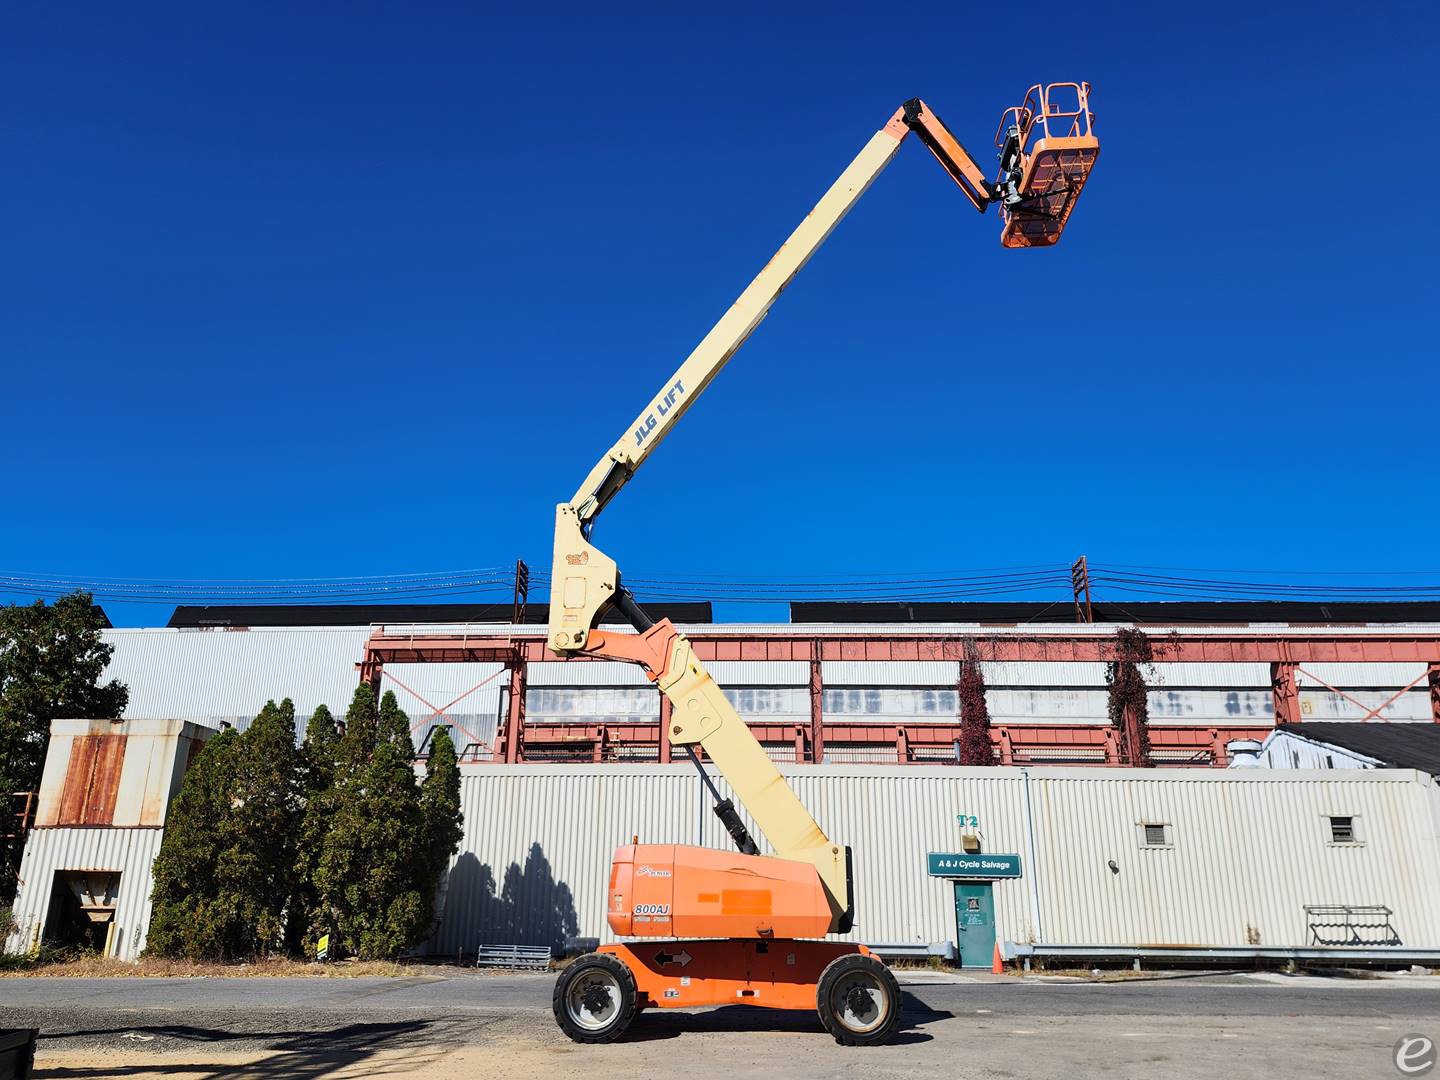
{"x": 674, "y": 398}
{"x": 1046, "y": 151}
{"x": 679, "y": 392}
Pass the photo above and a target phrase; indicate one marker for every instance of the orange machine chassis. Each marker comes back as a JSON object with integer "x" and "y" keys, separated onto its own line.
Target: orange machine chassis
{"x": 778, "y": 974}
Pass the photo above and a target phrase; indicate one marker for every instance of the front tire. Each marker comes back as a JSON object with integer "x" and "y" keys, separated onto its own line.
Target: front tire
{"x": 858, "y": 1000}
{"x": 595, "y": 999}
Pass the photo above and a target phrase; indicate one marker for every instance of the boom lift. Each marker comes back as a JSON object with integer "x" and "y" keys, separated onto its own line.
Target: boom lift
{"x": 740, "y": 927}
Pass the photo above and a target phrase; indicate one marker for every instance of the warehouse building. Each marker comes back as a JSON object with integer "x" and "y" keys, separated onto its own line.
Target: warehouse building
{"x": 949, "y": 861}
{"x": 1087, "y": 861}
{"x": 858, "y": 705}
{"x": 839, "y": 683}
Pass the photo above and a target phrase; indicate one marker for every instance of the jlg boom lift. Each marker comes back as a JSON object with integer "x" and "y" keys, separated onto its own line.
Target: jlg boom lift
{"x": 741, "y": 927}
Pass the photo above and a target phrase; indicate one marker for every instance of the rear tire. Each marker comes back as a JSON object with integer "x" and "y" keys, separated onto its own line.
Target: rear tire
{"x": 858, "y": 1000}
{"x": 595, "y": 999}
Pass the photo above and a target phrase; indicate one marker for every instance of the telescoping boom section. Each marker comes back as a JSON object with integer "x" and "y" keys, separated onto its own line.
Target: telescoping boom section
{"x": 738, "y": 926}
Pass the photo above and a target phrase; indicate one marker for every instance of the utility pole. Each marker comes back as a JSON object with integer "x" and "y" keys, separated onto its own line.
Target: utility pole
{"x": 522, "y": 592}
{"x": 1080, "y": 584}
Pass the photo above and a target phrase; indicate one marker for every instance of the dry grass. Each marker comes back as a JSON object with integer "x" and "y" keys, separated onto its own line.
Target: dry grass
{"x": 90, "y": 966}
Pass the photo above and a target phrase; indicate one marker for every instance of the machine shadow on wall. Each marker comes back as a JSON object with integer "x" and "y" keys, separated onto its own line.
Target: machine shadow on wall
{"x": 529, "y": 907}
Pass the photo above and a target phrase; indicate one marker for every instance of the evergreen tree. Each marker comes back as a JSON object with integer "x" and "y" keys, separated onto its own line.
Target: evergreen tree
{"x": 394, "y": 725}
{"x": 317, "y": 766}
{"x": 225, "y": 870}
{"x": 975, "y": 745}
{"x": 440, "y": 806}
{"x": 362, "y": 724}
{"x": 51, "y": 660}
{"x": 187, "y": 920}
{"x": 256, "y": 867}
{"x": 372, "y": 874}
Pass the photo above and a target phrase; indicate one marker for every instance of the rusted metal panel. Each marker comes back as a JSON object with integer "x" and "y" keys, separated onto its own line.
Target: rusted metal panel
{"x": 104, "y": 780}
{"x": 78, "y": 775}
{"x": 92, "y": 780}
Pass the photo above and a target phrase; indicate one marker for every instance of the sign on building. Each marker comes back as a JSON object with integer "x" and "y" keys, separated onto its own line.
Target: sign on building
{"x": 955, "y": 864}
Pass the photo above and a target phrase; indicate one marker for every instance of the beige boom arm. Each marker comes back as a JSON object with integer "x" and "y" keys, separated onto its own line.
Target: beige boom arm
{"x": 679, "y": 392}
{"x": 584, "y": 581}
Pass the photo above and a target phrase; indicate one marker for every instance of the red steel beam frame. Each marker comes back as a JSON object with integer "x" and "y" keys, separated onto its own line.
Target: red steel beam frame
{"x": 1015, "y": 744}
{"x": 1300, "y": 646}
{"x": 667, "y": 713}
{"x": 1018, "y": 744}
{"x": 509, "y": 737}
{"x": 1433, "y": 671}
{"x": 817, "y": 706}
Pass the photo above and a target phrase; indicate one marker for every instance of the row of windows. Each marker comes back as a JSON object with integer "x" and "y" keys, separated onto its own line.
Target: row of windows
{"x": 639, "y": 703}
{"x": 889, "y": 702}
{"x": 748, "y": 701}
{"x": 1340, "y": 829}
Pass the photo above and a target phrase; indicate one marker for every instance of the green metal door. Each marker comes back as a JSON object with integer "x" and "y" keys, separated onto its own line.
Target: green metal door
{"x": 975, "y": 923}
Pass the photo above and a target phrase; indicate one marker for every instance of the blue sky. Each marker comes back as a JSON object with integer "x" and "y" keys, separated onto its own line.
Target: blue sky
{"x": 357, "y": 289}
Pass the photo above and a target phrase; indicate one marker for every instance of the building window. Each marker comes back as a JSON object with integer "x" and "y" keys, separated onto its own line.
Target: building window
{"x": 1342, "y": 831}
{"x": 1295, "y": 759}
{"x": 884, "y": 702}
{"x": 1155, "y": 834}
{"x": 769, "y": 700}
{"x": 590, "y": 705}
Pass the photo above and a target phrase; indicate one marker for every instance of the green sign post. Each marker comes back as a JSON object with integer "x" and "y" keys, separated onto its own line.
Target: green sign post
{"x": 954, "y": 864}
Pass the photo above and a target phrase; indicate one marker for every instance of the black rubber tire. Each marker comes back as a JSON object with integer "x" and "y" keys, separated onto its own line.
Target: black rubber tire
{"x": 880, "y": 978}
{"x": 626, "y": 1012}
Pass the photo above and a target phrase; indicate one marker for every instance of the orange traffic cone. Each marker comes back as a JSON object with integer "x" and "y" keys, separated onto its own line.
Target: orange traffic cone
{"x": 996, "y": 967}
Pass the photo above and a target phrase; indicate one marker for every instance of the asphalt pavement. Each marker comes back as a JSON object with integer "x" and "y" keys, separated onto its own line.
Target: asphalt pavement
{"x": 1194, "y": 1025}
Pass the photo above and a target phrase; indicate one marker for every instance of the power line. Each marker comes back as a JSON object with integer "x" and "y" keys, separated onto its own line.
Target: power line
{"x": 1049, "y": 580}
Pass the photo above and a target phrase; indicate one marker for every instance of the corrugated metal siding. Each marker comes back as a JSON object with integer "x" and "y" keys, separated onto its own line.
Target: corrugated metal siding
{"x": 588, "y": 673}
{"x": 201, "y": 675}
{"x": 724, "y": 672}
{"x": 1085, "y": 674}
{"x": 1015, "y": 706}
{"x": 92, "y": 780}
{"x": 1249, "y": 851}
{"x": 1345, "y": 676}
{"x": 130, "y": 851}
{"x": 889, "y": 673}
{"x": 1255, "y": 676}
{"x": 759, "y": 672}
{"x": 1284, "y": 750}
{"x": 1037, "y": 674}
{"x": 535, "y": 861}
{"x": 474, "y": 717}
{"x": 210, "y": 675}
{"x": 1245, "y": 855}
{"x": 1413, "y": 705}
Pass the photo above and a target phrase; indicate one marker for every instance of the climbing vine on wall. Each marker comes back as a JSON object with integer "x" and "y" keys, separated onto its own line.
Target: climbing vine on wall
{"x": 1129, "y": 711}
{"x": 975, "y": 745}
